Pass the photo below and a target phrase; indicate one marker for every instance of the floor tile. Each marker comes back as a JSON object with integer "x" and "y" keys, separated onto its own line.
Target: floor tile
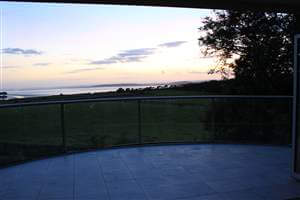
{"x": 172, "y": 172}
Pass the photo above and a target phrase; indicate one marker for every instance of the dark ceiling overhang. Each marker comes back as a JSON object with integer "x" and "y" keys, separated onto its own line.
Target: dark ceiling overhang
{"x": 263, "y": 5}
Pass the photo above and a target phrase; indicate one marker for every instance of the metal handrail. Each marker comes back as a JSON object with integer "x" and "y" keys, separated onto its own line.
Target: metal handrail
{"x": 106, "y": 99}
{"x": 138, "y": 99}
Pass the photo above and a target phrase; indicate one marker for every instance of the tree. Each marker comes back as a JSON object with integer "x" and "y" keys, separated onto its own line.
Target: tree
{"x": 254, "y": 47}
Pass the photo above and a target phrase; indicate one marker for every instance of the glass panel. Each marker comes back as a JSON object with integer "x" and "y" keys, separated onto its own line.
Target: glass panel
{"x": 11, "y": 129}
{"x": 253, "y": 120}
{"x": 297, "y": 147}
{"x": 29, "y": 132}
{"x": 227, "y": 120}
{"x": 104, "y": 124}
{"x": 174, "y": 121}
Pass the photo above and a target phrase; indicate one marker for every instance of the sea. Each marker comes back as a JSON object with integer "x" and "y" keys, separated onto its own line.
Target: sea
{"x": 38, "y": 92}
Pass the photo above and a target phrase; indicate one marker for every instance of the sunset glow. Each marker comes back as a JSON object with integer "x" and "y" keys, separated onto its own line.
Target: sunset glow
{"x": 52, "y": 45}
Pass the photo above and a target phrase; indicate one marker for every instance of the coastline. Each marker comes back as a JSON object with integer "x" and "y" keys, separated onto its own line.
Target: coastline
{"x": 76, "y": 90}
{"x": 116, "y": 92}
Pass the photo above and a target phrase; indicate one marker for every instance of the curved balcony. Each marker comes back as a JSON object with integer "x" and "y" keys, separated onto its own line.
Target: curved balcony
{"x": 186, "y": 172}
{"x": 222, "y": 163}
{"x": 36, "y": 129}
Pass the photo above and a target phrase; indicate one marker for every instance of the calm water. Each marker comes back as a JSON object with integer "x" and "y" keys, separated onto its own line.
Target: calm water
{"x": 74, "y": 90}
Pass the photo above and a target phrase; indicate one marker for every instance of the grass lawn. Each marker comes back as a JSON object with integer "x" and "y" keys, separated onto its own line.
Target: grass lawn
{"x": 106, "y": 123}
{"x": 103, "y": 124}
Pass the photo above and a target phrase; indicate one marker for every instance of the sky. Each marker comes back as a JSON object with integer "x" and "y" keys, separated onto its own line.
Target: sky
{"x": 52, "y": 45}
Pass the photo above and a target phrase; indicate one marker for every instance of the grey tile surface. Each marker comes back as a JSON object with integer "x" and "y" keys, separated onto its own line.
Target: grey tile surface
{"x": 179, "y": 172}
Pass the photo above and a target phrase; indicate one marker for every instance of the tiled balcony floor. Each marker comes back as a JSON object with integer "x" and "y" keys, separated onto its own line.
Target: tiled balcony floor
{"x": 186, "y": 172}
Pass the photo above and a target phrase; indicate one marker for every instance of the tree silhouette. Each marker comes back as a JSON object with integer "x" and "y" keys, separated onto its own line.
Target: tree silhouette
{"x": 254, "y": 47}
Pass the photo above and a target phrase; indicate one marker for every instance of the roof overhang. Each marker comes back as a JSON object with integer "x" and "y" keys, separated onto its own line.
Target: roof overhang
{"x": 263, "y": 5}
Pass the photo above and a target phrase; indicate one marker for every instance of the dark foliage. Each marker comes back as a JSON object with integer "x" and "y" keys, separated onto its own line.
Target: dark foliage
{"x": 256, "y": 49}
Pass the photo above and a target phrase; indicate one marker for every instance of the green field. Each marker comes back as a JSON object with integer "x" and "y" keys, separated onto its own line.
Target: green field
{"x": 106, "y": 123}
{"x": 33, "y": 131}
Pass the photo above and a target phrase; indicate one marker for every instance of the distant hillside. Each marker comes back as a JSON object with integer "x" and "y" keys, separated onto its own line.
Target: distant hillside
{"x": 236, "y": 87}
{"x": 216, "y": 87}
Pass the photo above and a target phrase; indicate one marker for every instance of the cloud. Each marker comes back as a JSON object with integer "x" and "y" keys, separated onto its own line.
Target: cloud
{"x": 172, "y": 44}
{"x": 137, "y": 52}
{"x": 107, "y": 61}
{"x": 134, "y": 55}
{"x": 18, "y": 51}
{"x": 127, "y": 56}
{"x": 41, "y": 64}
{"x": 84, "y": 70}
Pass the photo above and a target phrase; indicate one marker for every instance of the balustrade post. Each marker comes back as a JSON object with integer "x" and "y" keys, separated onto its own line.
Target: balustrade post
{"x": 213, "y": 120}
{"x": 139, "y": 122}
{"x": 62, "y": 123}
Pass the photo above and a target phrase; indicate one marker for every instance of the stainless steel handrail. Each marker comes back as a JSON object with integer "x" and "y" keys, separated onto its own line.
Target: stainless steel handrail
{"x": 138, "y": 99}
{"x": 105, "y": 99}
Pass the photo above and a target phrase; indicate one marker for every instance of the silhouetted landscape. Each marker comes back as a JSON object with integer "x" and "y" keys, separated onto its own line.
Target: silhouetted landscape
{"x": 106, "y": 124}
{"x": 134, "y": 102}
